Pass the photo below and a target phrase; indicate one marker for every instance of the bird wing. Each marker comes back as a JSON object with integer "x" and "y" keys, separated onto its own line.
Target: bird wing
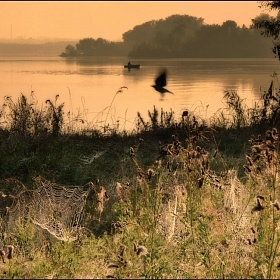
{"x": 161, "y": 80}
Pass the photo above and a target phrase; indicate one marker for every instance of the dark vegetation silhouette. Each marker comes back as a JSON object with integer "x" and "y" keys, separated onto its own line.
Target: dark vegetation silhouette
{"x": 178, "y": 36}
{"x": 269, "y": 26}
{"x": 92, "y": 47}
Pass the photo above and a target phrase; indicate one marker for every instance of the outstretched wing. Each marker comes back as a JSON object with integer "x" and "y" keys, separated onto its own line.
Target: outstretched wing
{"x": 161, "y": 79}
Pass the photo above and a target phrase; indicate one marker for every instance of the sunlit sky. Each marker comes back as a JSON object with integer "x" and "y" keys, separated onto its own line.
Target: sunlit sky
{"x": 110, "y": 19}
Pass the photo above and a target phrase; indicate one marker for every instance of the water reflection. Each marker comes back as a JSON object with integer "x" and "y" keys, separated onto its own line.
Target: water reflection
{"x": 91, "y": 61}
{"x": 87, "y": 86}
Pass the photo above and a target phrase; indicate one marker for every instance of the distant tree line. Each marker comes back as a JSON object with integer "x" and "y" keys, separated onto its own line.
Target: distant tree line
{"x": 179, "y": 36}
{"x": 92, "y": 47}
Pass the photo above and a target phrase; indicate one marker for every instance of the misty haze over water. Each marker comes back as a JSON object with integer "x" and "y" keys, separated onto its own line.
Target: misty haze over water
{"x": 87, "y": 86}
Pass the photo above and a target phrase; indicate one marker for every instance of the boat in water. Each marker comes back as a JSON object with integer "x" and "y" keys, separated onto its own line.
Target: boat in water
{"x": 129, "y": 65}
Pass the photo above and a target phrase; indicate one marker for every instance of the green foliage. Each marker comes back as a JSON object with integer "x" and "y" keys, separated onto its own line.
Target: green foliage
{"x": 264, "y": 159}
{"x": 64, "y": 257}
{"x": 166, "y": 201}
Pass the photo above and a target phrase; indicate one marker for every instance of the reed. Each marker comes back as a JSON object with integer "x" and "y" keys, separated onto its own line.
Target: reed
{"x": 175, "y": 199}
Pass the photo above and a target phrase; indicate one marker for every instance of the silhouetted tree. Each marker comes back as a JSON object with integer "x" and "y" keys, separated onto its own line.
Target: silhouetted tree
{"x": 169, "y": 34}
{"x": 70, "y": 50}
{"x": 147, "y": 50}
{"x": 86, "y": 47}
{"x": 185, "y": 36}
{"x": 143, "y": 33}
{"x": 268, "y": 25}
{"x": 92, "y": 47}
{"x": 229, "y": 25}
{"x": 179, "y": 36}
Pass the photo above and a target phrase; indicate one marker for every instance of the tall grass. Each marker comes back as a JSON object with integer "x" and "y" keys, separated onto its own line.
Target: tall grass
{"x": 175, "y": 199}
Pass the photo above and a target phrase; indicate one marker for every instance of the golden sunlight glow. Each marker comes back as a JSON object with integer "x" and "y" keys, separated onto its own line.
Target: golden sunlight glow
{"x": 110, "y": 19}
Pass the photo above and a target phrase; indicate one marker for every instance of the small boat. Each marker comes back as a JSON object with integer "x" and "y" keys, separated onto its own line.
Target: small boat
{"x": 129, "y": 66}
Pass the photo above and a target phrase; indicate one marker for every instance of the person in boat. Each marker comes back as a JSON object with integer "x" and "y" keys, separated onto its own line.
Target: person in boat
{"x": 128, "y": 63}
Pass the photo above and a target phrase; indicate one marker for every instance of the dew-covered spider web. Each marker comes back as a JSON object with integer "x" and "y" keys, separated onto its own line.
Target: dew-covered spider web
{"x": 55, "y": 208}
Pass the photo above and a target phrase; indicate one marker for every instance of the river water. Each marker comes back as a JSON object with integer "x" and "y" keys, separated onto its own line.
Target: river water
{"x": 88, "y": 87}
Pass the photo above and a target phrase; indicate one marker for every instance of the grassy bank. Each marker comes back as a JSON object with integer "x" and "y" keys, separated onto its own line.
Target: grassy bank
{"x": 175, "y": 198}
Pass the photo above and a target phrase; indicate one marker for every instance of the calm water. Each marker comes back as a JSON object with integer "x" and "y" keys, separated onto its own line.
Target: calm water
{"x": 87, "y": 87}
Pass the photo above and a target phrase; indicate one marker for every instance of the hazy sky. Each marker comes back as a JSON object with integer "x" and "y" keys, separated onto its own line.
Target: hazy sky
{"x": 110, "y": 19}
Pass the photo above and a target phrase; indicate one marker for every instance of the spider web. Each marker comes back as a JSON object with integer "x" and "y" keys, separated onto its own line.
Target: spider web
{"x": 55, "y": 208}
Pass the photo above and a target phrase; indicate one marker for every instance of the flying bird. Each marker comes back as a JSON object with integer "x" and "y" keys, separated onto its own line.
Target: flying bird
{"x": 160, "y": 83}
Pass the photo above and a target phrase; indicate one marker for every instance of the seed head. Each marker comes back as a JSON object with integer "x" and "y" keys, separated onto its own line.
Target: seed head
{"x": 140, "y": 250}
{"x": 151, "y": 173}
{"x": 10, "y": 251}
